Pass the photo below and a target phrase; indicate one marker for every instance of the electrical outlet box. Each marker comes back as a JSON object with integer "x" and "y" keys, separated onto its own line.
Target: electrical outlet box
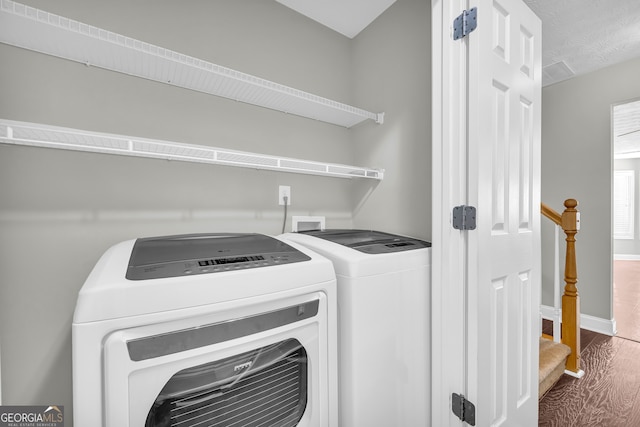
{"x": 306, "y": 223}
{"x": 284, "y": 191}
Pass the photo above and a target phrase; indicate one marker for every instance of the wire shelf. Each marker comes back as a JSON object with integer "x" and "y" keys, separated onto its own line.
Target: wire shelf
{"x": 38, "y": 135}
{"x": 30, "y": 28}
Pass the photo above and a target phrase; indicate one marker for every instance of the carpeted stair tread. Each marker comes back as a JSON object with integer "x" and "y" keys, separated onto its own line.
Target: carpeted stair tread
{"x": 553, "y": 357}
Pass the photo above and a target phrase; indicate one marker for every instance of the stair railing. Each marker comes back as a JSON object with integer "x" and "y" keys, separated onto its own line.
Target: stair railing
{"x": 569, "y": 221}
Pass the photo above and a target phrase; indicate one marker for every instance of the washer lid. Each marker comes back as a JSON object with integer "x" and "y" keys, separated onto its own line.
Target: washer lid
{"x": 368, "y": 241}
{"x": 189, "y": 254}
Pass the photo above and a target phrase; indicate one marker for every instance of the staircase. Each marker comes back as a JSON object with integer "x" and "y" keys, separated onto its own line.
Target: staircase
{"x": 560, "y": 352}
{"x": 553, "y": 359}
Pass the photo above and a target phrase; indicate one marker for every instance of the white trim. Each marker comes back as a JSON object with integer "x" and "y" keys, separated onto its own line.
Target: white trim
{"x": 578, "y": 374}
{"x": 439, "y": 382}
{"x": 626, "y": 257}
{"x": 448, "y": 292}
{"x": 598, "y": 324}
{"x": 590, "y": 323}
{"x": 547, "y": 312}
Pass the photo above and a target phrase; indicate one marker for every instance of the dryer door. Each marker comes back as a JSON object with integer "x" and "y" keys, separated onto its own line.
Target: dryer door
{"x": 262, "y": 387}
{"x": 265, "y": 366}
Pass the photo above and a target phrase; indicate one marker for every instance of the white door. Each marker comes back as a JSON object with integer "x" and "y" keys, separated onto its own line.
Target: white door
{"x": 489, "y": 277}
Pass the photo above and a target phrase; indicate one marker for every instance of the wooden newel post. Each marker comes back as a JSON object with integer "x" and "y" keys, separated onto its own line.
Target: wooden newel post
{"x": 570, "y": 299}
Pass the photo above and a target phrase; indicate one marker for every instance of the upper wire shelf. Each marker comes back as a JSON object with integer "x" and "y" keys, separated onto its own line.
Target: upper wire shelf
{"x": 34, "y": 29}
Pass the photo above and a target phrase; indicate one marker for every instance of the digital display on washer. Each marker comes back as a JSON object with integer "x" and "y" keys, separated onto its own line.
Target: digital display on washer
{"x": 368, "y": 241}
{"x": 230, "y": 260}
{"x": 189, "y": 254}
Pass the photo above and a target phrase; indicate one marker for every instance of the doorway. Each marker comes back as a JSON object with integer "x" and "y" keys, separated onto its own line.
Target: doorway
{"x": 626, "y": 227}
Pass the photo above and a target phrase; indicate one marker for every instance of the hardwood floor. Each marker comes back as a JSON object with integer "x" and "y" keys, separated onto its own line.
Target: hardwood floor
{"x": 626, "y": 298}
{"x": 609, "y": 393}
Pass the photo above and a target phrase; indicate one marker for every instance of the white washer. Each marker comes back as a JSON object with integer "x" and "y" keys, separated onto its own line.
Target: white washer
{"x": 384, "y": 325}
{"x": 243, "y": 324}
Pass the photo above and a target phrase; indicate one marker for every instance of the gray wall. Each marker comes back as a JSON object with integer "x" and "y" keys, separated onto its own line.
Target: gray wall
{"x": 393, "y": 73}
{"x": 60, "y": 210}
{"x": 577, "y": 163}
{"x": 630, "y": 246}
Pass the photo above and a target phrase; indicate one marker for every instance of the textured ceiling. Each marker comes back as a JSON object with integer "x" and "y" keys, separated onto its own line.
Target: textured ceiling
{"x": 578, "y": 36}
{"x": 586, "y": 35}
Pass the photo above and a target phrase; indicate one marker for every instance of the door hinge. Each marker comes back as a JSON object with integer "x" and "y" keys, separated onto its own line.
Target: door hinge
{"x": 463, "y": 409}
{"x": 465, "y": 23}
{"x": 464, "y": 218}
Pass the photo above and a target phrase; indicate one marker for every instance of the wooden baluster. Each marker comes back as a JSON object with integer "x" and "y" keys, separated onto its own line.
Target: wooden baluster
{"x": 570, "y": 299}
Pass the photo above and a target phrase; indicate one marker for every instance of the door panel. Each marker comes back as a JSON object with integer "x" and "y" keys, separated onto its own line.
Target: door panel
{"x": 486, "y": 153}
{"x": 504, "y": 250}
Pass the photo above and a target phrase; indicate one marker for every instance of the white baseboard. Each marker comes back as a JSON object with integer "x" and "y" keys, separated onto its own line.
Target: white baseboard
{"x": 626, "y": 257}
{"x": 591, "y": 323}
{"x": 597, "y": 324}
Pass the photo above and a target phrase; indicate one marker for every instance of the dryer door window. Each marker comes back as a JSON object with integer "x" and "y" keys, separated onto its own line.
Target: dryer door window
{"x": 263, "y": 387}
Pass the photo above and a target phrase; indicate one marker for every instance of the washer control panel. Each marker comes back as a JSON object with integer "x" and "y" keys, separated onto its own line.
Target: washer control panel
{"x": 369, "y": 241}
{"x": 185, "y": 255}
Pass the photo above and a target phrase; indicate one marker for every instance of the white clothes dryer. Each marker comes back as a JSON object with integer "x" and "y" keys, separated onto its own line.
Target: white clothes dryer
{"x": 206, "y": 329}
{"x": 384, "y": 325}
